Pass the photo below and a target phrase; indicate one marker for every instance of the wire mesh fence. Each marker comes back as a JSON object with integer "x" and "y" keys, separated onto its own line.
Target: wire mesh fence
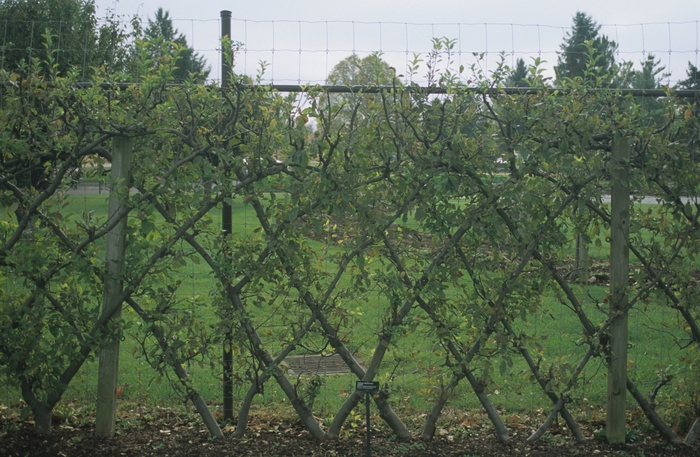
{"x": 417, "y": 369}
{"x": 305, "y": 52}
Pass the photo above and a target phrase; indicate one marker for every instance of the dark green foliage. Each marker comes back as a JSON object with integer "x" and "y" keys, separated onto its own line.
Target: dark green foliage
{"x": 63, "y": 35}
{"x": 585, "y": 53}
{"x": 650, "y": 76}
{"x": 519, "y": 76}
{"x": 168, "y": 40}
{"x": 693, "y": 78}
{"x": 71, "y": 23}
{"x": 692, "y": 111}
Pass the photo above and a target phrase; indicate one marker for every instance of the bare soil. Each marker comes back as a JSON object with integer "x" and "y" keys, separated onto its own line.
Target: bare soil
{"x": 154, "y": 433}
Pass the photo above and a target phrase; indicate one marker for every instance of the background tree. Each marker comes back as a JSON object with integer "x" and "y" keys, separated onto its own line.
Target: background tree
{"x": 651, "y": 74}
{"x": 114, "y": 49}
{"x": 518, "y": 76}
{"x": 693, "y": 78}
{"x": 72, "y": 23}
{"x": 353, "y": 71}
{"x": 161, "y": 30}
{"x": 692, "y": 82}
{"x": 582, "y": 44}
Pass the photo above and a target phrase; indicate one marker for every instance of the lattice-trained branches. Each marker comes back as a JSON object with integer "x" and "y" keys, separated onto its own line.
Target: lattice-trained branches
{"x": 68, "y": 132}
{"x": 442, "y": 220}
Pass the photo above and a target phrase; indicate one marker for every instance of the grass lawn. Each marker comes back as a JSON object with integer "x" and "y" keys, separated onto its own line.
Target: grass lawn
{"x": 412, "y": 369}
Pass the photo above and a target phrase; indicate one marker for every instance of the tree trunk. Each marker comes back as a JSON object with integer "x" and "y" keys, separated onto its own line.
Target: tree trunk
{"x": 304, "y": 412}
{"x": 181, "y": 374}
{"x": 207, "y": 416}
{"x": 244, "y": 410}
{"x": 41, "y": 411}
{"x": 693, "y": 433}
{"x": 654, "y": 418}
{"x": 494, "y": 417}
{"x": 548, "y": 422}
{"x": 42, "y": 419}
{"x": 242, "y": 422}
{"x": 385, "y": 410}
{"x": 570, "y": 421}
{"x": 431, "y": 420}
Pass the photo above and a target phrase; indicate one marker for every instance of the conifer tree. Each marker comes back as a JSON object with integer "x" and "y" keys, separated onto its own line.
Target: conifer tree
{"x": 188, "y": 61}
{"x": 582, "y": 44}
{"x": 693, "y": 78}
{"x": 519, "y": 75}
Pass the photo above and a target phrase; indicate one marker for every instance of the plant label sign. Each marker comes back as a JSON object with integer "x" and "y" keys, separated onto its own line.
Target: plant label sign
{"x": 369, "y": 387}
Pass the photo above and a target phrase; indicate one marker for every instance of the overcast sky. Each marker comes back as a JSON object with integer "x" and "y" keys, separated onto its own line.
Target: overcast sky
{"x": 327, "y": 31}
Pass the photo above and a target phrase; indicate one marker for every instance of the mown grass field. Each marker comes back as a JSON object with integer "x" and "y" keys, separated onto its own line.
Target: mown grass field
{"x": 411, "y": 369}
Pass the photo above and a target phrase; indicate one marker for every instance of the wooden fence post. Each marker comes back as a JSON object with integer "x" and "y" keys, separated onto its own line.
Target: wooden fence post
{"x": 619, "y": 282}
{"x": 581, "y": 262}
{"x": 106, "y": 408}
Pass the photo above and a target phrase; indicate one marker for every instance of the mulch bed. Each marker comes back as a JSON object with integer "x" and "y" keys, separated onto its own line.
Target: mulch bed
{"x": 177, "y": 435}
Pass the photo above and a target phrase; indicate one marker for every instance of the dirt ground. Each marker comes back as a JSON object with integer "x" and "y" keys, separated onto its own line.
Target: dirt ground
{"x": 167, "y": 434}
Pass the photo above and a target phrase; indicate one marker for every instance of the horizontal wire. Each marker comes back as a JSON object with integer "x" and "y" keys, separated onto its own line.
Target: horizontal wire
{"x": 492, "y": 91}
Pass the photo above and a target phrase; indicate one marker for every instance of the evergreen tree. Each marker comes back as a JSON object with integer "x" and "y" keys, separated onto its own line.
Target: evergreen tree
{"x": 519, "y": 75}
{"x": 693, "y": 78}
{"x": 692, "y": 82}
{"x": 582, "y": 44}
{"x": 650, "y": 76}
{"x": 161, "y": 30}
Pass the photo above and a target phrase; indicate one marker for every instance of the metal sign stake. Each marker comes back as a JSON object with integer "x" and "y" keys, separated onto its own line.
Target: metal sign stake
{"x": 369, "y": 433}
{"x": 368, "y": 387}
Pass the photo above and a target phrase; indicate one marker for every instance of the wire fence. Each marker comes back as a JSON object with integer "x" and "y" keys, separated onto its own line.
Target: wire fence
{"x": 305, "y": 52}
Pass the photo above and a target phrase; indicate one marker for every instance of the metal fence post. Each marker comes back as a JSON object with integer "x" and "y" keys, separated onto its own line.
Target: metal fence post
{"x": 226, "y": 225}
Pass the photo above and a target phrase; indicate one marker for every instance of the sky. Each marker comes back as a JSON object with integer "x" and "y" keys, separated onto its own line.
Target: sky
{"x": 300, "y": 42}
